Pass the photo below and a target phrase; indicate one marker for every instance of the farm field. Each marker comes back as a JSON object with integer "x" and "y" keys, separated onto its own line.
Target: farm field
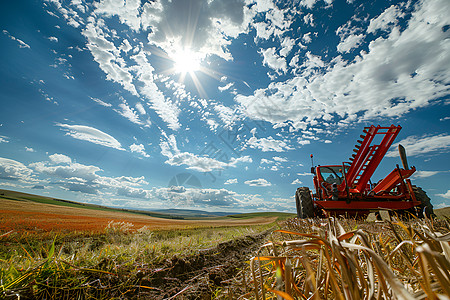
{"x": 91, "y": 251}
{"x": 22, "y": 212}
{"x": 349, "y": 259}
{"x": 51, "y": 249}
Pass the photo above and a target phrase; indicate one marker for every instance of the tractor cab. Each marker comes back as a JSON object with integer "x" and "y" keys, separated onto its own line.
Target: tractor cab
{"x": 328, "y": 180}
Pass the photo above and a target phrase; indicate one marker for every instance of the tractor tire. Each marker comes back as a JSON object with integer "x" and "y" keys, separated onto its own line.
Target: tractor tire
{"x": 426, "y": 207}
{"x": 304, "y": 203}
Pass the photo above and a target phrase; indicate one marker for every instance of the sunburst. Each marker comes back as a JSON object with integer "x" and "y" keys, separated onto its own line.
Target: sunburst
{"x": 186, "y": 61}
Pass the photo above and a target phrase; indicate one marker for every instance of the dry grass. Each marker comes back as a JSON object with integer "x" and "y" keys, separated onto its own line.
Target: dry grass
{"x": 347, "y": 259}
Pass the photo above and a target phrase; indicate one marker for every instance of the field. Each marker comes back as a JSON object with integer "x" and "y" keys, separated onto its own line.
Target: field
{"x": 51, "y": 248}
{"x": 23, "y": 212}
{"x": 56, "y": 249}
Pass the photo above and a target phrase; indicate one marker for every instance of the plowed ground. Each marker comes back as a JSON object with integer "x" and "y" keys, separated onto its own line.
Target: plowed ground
{"x": 198, "y": 276}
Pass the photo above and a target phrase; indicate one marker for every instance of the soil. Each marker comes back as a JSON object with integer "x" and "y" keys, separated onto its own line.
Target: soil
{"x": 198, "y": 276}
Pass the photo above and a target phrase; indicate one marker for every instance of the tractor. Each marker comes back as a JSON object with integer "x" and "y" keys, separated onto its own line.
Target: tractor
{"x": 347, "y": 189}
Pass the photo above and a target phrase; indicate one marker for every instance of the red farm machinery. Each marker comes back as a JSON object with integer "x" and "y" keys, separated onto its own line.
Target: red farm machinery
{"x": 346, "y": 189}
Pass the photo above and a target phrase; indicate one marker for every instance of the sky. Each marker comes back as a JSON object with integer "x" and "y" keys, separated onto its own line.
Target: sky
{"x": 216, "y": 105}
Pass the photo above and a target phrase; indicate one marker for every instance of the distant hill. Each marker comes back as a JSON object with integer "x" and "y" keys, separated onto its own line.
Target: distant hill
{"x": 161, "y": 213}
{"x": 19, "y": 196}
{"x": 192, "y": 213}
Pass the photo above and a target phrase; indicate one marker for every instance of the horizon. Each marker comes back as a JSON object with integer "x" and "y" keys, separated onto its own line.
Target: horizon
{"x": 209, "y": 106}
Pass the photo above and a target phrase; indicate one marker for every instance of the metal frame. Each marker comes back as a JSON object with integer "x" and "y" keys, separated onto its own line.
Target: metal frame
{"x": 394, "y": 192}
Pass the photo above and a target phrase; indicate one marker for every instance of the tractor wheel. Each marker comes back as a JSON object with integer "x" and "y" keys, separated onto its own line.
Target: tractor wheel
{"x": 304, "y": 203}
{"x": 426, "y": 207}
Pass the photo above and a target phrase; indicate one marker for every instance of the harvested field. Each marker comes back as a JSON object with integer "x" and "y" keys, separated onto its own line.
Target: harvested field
{"x": 349, "y": 259}
{"x": 26, "y": 215}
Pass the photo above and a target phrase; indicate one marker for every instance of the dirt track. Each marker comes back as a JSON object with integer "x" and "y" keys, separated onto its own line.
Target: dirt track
{"x": 196, "y": 277}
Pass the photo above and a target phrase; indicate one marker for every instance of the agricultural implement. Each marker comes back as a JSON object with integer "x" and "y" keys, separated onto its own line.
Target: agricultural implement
{"x": 347, "y": 189}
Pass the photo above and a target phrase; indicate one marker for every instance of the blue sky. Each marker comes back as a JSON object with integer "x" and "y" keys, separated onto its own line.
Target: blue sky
{"x": 216, "y": 105}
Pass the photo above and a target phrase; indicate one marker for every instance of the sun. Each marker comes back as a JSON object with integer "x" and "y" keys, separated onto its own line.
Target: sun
{"x": 186, "y": 61}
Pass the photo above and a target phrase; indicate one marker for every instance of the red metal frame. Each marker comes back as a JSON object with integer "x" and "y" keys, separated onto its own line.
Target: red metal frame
{"x": 355, "y": 194}
{"x": 368, "y": 156}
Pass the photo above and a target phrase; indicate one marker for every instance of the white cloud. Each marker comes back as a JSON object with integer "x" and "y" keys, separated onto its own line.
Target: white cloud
{"x": 129, "y": 113}
{"x": 22, "y": 44}
{"x": 140, "y": 108}
{"x": 108, "y": 57}
{"x": 29, "y": 149}
{"x": 349, "y": 43}
{"x": 287, "y": 44}
{"x": 445, "y": 195}
{"x": 213, "y": 23}
{"x": 267, "y": 144}
{"x": 401, "y": 72}
{"x": 304, "y": 174}
{"x": 91, "y": 134}
{"x": 166, "y": 109}
{"x": 126, "y": 46}
{"x": 71, "y": 15}
{"x": 297, "y": 181}
{"x": 231, "y": 181}
{"x": 13, "y": 170}
{"x": 175, "y": 157}
{"x": 307, "y": 38}
{"x": 441, "y": 205}
{"x": 191, "y": 198}
{"x": 387, "y": 19}
{"x": 60, "y": 159}
{"x": 258, "y": 182}
{"x": 53, "y": 39}
{"x": 415, "y": 145}
{"x": 263, "y": 30}
{"x": 77, "y": 177}
{"x": 102, "y": 103}
{"x": 139, "y": 148}
{"x": 74, "y": 171}
{"x": 226, "y": 87}
{"x": 127, "y": 11}
{"x": 203, "y": 163}
{"x": 425, "y": 174}
{"x": 133, "y": 192}
{"x": 3, "y": 139}
{"x": 279, "y": 159}
{"x": 265, "y": 161}
{"x": 308, "y": 3}
{"x": 309, "y": 19}
{"x": 273, "y": 60}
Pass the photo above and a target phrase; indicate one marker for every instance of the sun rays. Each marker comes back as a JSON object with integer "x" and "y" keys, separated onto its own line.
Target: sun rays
{"x": 186, "y": 61}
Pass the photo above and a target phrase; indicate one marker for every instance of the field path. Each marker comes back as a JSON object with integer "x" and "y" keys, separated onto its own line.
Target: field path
{"x": 198, "y": 276}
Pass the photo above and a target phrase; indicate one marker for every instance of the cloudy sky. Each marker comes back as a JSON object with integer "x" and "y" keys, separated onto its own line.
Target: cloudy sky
{"x": 216, "y": 105}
